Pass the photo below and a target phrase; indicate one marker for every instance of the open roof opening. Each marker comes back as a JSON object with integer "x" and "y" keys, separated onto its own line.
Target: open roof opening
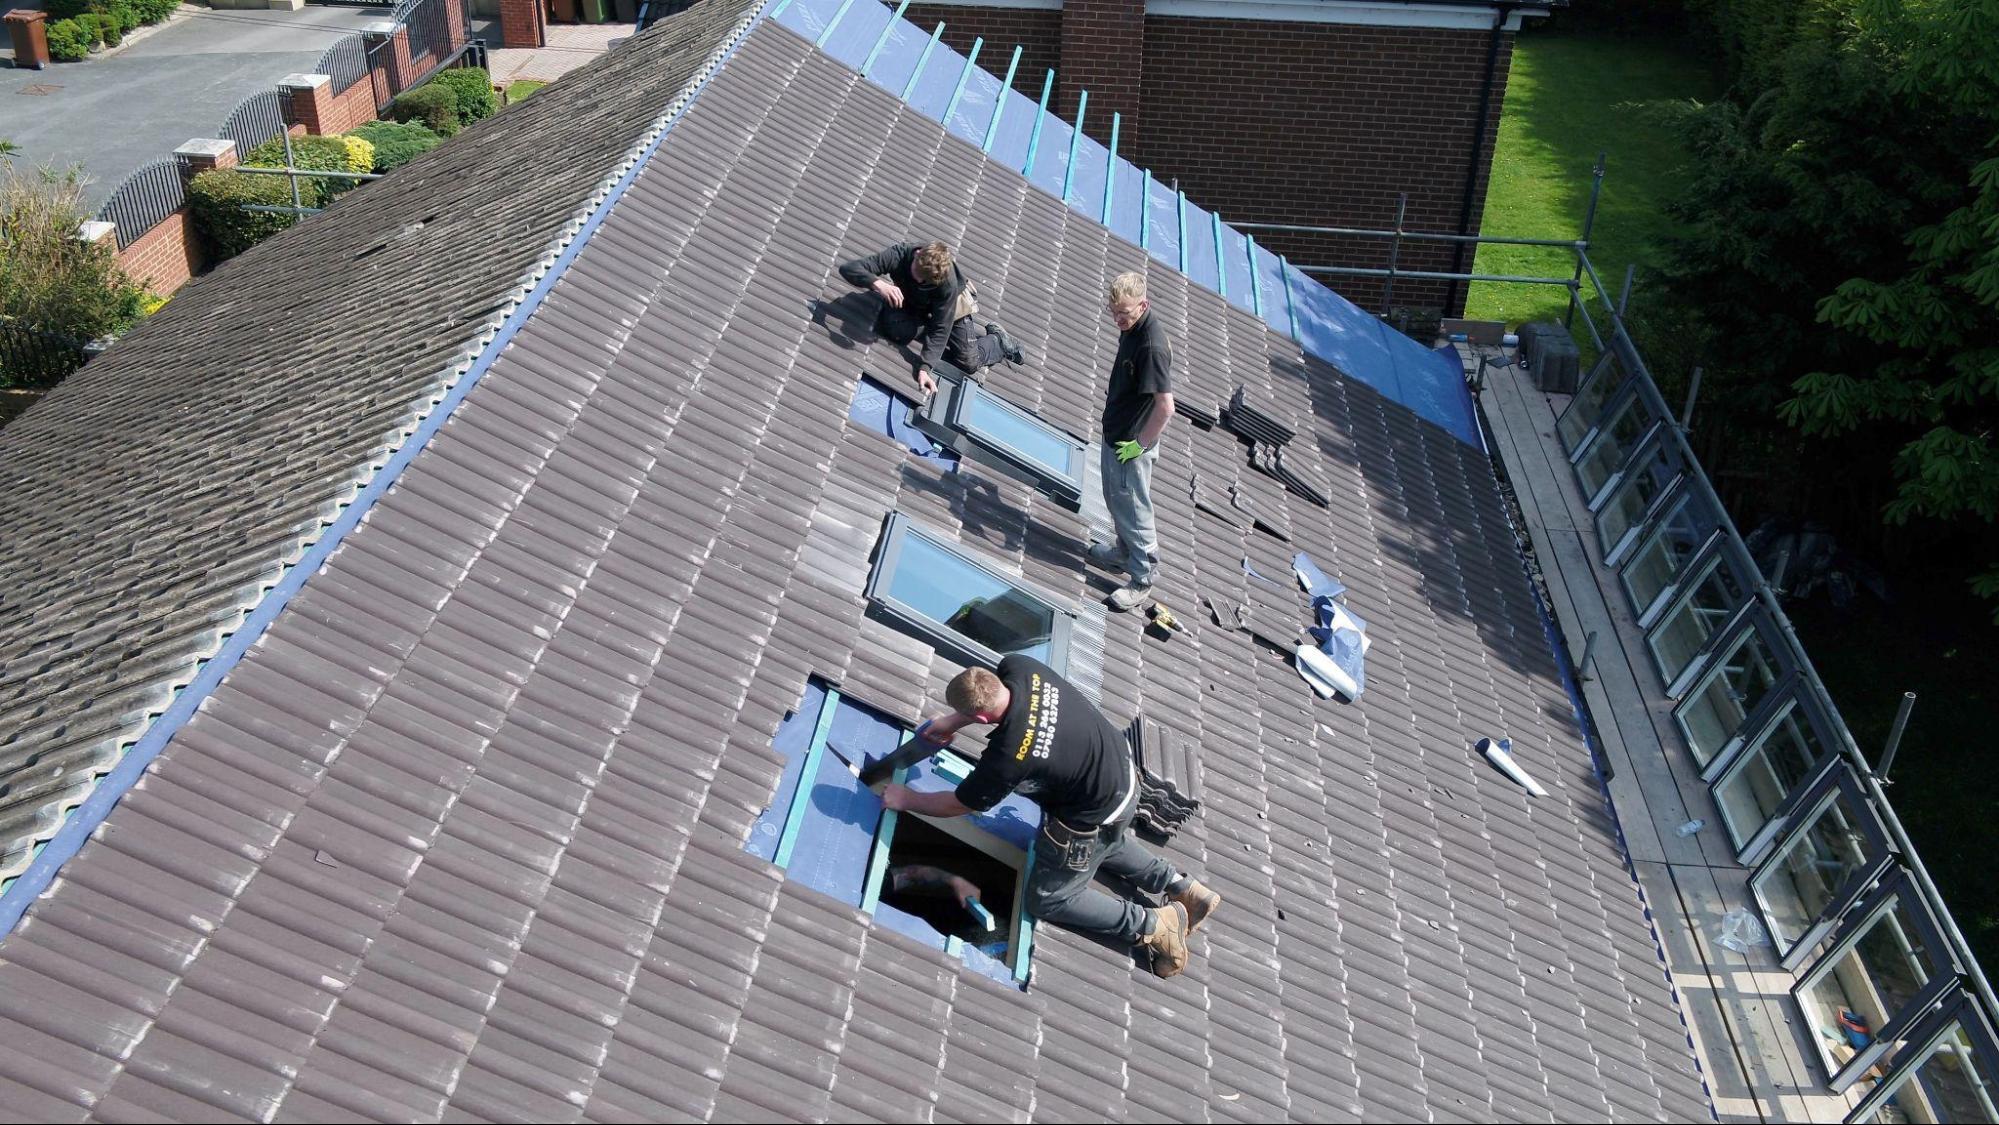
{"x": 889, "y": 414}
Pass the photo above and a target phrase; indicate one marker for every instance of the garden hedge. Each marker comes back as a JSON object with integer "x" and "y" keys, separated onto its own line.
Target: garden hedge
{"x": 396, "y": 143}
{"x": 433, "y": 105}
{"x": 215, "y": 199}
{"x": 473, "y": 87}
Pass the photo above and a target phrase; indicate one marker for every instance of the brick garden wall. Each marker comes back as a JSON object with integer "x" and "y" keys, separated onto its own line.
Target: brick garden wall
{"x": 166, "y": 257}
{"x": 1276, "y": 121}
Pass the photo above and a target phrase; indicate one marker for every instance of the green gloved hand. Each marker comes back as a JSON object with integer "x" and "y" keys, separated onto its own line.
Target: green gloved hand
{"x": 1129, "y": 451}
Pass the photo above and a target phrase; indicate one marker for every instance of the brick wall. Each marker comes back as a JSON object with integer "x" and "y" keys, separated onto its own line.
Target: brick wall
{"x": 1321, "y": 125}
{"x": 1286, "y": 122}
{"x": 1098, "y": 41}
{"x": 354, "y": 106}
{"x": 1038, "y": 33}
{"x": 166, "y": 257}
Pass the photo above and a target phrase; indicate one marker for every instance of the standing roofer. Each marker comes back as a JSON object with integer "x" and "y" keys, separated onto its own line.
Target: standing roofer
{"x": 1136, "y": 410}
{"x": 1052, "y": 745}
{"x": 926, "y": 299}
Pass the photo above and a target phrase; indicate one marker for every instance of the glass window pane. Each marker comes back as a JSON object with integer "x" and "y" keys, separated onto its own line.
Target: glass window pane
{"x": 1001, "y": 423}
{"x": 1660, "y": 558}
{"x": 1810, "y": 872}
{"x": 1613, "y": 445}
{"x": 1852, "y": 1000}
{"x": 1678, "y": 638}
{"x": 1587, "y": 406}
{"x": 1715, "y": 711}
{"x": 1634, "y": 498}
{"x": 945, "y": 587}
{"x": 1952, "y": 1083}
{"x": 1752, "y": 791}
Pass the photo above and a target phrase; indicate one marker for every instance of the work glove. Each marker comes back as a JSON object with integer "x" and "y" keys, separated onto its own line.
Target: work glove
{"x": 1129, "y": 451}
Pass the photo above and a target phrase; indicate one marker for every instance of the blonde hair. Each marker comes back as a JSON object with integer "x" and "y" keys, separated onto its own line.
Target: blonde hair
{"x": 975, "y": 691}
{"x": 1128, "y": 287}
{"x": 933, "y": 263}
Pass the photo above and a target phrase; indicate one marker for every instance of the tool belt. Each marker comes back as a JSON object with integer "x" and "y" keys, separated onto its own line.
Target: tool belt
{"x": 1072, "y": 845}
{"x": 968, "y": 301}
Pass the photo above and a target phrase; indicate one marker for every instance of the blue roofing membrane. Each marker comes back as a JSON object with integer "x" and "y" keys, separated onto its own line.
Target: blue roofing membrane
{"x": 1329, "y": 326}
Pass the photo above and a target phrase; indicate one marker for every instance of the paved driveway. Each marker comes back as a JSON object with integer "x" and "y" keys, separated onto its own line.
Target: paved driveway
{"x": 181, "y": 80}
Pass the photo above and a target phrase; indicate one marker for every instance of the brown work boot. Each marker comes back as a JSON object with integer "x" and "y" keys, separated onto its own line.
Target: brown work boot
{"x": 1199, "y": 902}
{"x": 1168, "y": 940}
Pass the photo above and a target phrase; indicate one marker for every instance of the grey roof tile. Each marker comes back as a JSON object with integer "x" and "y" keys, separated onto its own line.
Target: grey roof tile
{"x": 465, "y": 829}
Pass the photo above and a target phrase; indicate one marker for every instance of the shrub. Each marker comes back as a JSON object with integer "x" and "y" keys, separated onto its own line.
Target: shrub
{"x": 517, "y": 91}
{"x": 396, "y": 143}
{"x": 52, "y": 283}
{"x": 433, "y": 105}
{"x": 68, "y": 41}
{"x": 110, "y": 30}
{"x": 93, "y": 27}
{"x": 320, "y": 154}
{"x": 473, "y": 87}
{"x": 153, "y": 11}
{"x": 59, "y": 10}
{"x": 122, "y": 13}
{"x": 216, "y": 198}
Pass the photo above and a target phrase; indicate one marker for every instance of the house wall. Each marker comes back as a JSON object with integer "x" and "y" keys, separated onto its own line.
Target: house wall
{"x": 1315, "y": 124}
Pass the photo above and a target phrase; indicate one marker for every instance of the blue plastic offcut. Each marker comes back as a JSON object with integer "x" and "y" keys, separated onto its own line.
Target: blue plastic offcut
{"x": 1201, "y": 248}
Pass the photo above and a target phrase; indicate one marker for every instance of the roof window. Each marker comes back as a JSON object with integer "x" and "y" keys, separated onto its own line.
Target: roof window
{"x": 882, "y": 411}
{"x": 1002, "y": 435}
{"x": 965, "y": 608}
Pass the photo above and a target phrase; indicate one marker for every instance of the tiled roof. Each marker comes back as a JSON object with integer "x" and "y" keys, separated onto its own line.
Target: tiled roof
{"x": 462, "y": 835}
{"x": 147, "y": 503}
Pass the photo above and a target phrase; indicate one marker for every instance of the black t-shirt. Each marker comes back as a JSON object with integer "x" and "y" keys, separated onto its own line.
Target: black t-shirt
{"x": 1143, "y": 368}
{"x": 1053, "y": 746}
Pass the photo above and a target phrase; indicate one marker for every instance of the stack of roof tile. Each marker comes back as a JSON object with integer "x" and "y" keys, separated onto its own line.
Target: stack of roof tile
{"x": 1169, "y": 787}
{"x": 1194, "y": 412}
{"x": 1249, "y": 420}
{"x": 1270, "y": 459}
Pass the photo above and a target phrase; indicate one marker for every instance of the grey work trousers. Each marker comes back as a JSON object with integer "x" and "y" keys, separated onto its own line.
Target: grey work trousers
{"x": 1128, "y": 495}
{"x": 1065, "y": 863}
{"x": 969, "y": 349}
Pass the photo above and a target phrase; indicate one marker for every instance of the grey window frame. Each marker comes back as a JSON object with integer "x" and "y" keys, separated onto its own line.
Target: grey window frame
{"x": 881, "y": 575}
{"x": 1787, "y": 698}
{"x": 1065, "y": 487}
{"x": 1897, "y": 887}
{"x": 1606, "y": 367}
{"x": 1630, "y": 399}
{"x": 1655, "y": 446}
{"x": 1836, "y": 783}
{"x": 1741, "y": 630}
{"x": 1710, "y": 544}
{"x": 1716, "y": 554}
{"x": 1921, "y": 1043}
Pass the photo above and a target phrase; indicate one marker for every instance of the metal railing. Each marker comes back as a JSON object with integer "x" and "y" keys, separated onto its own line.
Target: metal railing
{"x": 255, "y": 119}
{"x": 145, "y": 199}
{"x": 30, "y": 357}
{"x": 1607, "y": 330}
{"x": 346, "y": 62}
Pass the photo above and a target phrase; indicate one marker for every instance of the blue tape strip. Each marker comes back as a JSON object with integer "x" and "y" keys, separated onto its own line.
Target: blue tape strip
{"x": 964, "y": 72}
{"x": 1180, "y": 205}
{"x": 833, "y": 23}
{"x": 921, "y": 60}
{"x": 1145, "y": 211}
{"x": 1075, "y": 138}
{"x": 1110, "y": 167}
{"x": 999, "y": 105}
{"x": 871, "y": 894}
{"x": 1290, "y": 307}
{"x": 1034, "y": 142}
{"x": 1255, "y": 282}
{"x": 868, "y": 64}
{"x": 84, "y": 820}
{"x": 1023, "y": 949}
{"x": 1221, "y": 266}
{"x": 794, "y": 817}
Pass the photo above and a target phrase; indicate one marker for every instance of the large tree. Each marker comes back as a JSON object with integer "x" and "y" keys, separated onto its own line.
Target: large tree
{"x": 1842, "y": 265}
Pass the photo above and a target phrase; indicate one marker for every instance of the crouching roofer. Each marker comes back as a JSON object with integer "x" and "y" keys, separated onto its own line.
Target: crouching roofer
{"x": 1052, "y": 745}
{"x": 926, "y": 300}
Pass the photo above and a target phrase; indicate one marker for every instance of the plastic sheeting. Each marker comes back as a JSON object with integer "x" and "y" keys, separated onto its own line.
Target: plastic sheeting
{"x": 1327, "y": 325}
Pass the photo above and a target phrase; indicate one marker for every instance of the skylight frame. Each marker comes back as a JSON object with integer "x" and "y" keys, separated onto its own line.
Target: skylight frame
{"x": 1836, "y": 789}
{"x": 1922, "y": 1043}
{"x": 945, "y": 638}
{"x": 1062, "y": 484}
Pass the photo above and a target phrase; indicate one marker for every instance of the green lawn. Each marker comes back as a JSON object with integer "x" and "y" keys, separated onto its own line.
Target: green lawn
{"x": 1569, "y": 97}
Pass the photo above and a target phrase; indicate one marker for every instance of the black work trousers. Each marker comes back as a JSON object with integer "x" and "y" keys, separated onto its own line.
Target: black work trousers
{"x": 968, "y": 350}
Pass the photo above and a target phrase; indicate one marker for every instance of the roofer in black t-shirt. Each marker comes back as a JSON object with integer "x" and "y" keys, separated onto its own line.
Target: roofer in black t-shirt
{"x": 1051, "y": 744}
{"x": 1136, "y": 410}
{"x": 926, "y": 299}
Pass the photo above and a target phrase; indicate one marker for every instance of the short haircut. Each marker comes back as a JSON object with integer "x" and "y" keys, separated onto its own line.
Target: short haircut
{"x": 933, "y": 263}
{"x": 1128, "y": 287}
{"x": 975, "y": 691}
